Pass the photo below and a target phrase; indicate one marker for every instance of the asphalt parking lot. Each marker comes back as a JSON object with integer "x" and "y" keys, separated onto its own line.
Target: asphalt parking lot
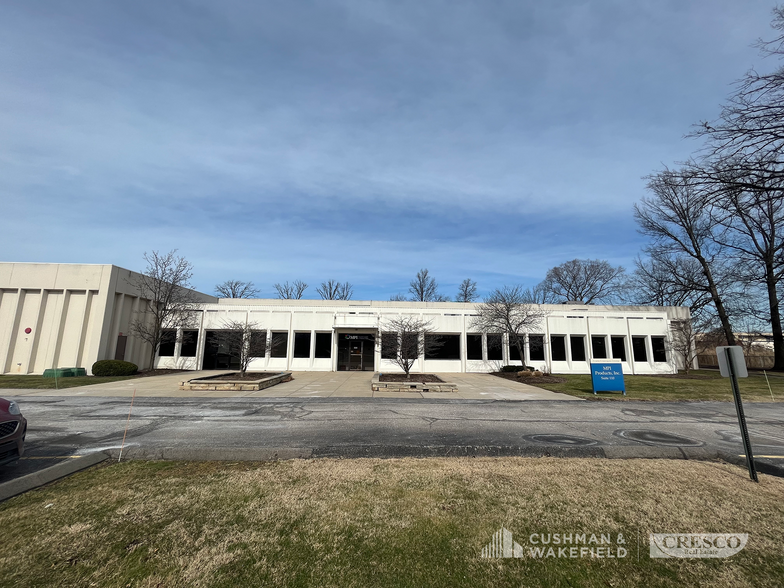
{"x": 61, "y": 427}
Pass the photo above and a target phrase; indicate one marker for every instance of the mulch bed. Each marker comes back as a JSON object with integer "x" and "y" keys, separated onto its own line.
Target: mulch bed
{"x": 422, "y": 378}
{"x": 237, "y": 377}
{"x": 158, "y": 373}
{"x": 533, "y": 380}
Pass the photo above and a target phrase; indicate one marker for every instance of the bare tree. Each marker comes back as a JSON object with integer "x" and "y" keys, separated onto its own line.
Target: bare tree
{"x": 585, "y": 280}
{"x": 509, "y": 310}
{"x": 539, "y": 294}
{"x": 242, "y": 341}
{"x": 236, "y": 289}
{"x": 678, "y": 216}
{"x": 167, "y": 299}
{"x": 292, "y": 291}
{"x": 466, "y": 291}
{"x": 754, "y": 223}
{"x": 684, "y": 342}
{"x": 398, "y": 298}
{"x": 334, "y": 290}
{"x": 424, "y": 288}
{"x": 405, "y": 339}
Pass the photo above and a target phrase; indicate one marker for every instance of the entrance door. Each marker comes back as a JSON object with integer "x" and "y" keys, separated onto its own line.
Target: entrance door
{"x": 356, "y": 352}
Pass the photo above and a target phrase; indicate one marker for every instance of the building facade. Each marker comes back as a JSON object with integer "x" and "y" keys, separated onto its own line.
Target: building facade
{"x": 69, "y": 315}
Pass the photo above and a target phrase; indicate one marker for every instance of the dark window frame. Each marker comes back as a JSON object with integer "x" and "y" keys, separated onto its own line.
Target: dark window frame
{"x": 602, "y": 340}
{"x": 580, "y": 355}
{"x": 493, "y": 349}
{"x": 558, "y": 350}
{"x": 189, "y": 345}
{"x": 318, "y": 352}
{"x": 643, "y": 348}
{"x": 302, "y": 340}
{"x": 658, "y": 349}
{"x": 471, "y": 346}
{"x": 168, "y": 344}
{"x": 447, "y": 350}
{"x": 536, "y": 348}
{"x": 279, "y": 344}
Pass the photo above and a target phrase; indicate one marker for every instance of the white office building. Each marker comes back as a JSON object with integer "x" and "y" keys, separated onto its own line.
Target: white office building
{"x": 71, "y": 315}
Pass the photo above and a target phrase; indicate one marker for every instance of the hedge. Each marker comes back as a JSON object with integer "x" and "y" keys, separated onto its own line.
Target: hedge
{"x": 114, "y": 367}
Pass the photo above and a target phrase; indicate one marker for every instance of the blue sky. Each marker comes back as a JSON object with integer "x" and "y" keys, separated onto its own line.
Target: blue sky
{"x": 355, "y": 140}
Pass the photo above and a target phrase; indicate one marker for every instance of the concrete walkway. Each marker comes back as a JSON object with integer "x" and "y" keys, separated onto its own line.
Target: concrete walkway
{"x": 309, "y": 385}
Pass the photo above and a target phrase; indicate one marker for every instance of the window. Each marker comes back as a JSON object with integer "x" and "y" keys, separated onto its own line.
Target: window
{"x": 494, "y": 349}
{"x": 536, "y": 347}
{"x": 258, "y": 344}
{"x": 638, "y": 349}
{"x": 444, "y": 346}
{"x": 514, "y": 352}
{"x": 189, "y": 340}
{"x": 577, "y": 343}
{"x": 599, "y": 347}
{"x": 323, "y": 345}
{"x": 618, "y": 348}
{"x": 168, "y": 341}
{"x": 302, "y": 345}
{"x": 280, "y": 341}
{"x": 659, "y": 353}
{"x": 474, "y": 346}
{"x": 558, "y": 348}
{"x": 389, "y": 345}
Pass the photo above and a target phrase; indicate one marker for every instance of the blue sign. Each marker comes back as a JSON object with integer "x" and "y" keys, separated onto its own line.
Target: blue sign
{"x": 607, "y": 377}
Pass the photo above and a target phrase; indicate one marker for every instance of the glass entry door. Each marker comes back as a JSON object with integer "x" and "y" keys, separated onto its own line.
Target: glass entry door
{"x": 356, "y": 352}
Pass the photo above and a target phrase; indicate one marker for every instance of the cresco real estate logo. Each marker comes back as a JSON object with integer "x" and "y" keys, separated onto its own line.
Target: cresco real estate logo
{"x": 693, "y": 545}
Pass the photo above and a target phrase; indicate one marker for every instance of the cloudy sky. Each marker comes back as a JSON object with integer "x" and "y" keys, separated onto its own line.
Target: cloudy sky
{"x": 356, "y": 140}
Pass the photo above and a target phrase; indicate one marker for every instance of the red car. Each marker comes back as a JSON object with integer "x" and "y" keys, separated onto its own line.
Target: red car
{"x": 13, "y": 428}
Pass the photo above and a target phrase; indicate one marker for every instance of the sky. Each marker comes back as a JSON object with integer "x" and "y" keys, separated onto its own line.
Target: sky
{"x": 354, "y": 140}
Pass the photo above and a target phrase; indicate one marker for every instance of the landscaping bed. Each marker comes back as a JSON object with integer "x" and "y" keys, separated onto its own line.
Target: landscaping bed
{"x": 236, "y": 382}
{"x": 424, "y": 378}
{"x": 386, "y": 523}
{"x": 414, "y": 383}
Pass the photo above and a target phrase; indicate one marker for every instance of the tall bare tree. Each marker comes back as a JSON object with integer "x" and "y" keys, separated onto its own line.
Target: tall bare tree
{"x": 586, "y": 281}
{"x": 334, "y": 290}
{"x": 236, "y": 289}
{"x": 167, "y": 299}
{"x": 509, "y": 310}
{"x": 754, "y": 223}
{"x": 679, "y": 218}
{"x": 466, "y": 291}
{"x": 293, "y": 291}
{"x": 424, "y": 288}
{"x": 404, "y": 339}
{"x": 241, "y": 340}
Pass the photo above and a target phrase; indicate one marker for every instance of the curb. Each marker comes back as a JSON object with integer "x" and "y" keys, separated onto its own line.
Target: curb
{"x": 50, "y": 474}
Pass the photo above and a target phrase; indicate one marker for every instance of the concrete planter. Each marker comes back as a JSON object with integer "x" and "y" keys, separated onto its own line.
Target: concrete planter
{"x": 226, "y": 383}
{"x": 404, "y": 386}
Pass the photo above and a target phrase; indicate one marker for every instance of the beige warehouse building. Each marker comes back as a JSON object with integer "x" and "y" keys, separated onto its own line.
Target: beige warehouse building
{"x": 71, "y": 315}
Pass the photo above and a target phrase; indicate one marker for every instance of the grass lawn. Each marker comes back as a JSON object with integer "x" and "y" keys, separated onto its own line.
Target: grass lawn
{"x": 699, "y": 385}
{"x": 41, "y": 383}
{"x": 377, "y": 523}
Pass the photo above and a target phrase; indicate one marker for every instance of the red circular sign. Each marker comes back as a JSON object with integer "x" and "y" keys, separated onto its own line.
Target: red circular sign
{"x": 28, "y": 330}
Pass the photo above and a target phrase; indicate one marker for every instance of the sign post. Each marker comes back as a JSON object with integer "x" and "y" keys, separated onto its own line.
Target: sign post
{"x": 732, "y": 366}
{"x": 607, "y": 377}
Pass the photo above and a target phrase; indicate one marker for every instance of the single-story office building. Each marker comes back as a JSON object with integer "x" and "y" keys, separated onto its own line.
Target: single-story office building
{"x": 71, "y": 315}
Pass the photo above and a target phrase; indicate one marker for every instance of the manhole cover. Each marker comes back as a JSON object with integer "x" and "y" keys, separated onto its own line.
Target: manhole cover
{"x": 561, "y": 440}
{"x": 657, "y": 438}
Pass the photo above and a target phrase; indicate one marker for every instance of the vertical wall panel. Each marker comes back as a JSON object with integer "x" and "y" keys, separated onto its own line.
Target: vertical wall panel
{"x": 73, "y": 318}
{"x": 8, "y": 302}
{"x": 27, "y": 314}
{"x": 47, "y": 336}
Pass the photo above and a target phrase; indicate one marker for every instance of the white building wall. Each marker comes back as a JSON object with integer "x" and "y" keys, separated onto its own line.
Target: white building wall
{"x": 77, "y": 312}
